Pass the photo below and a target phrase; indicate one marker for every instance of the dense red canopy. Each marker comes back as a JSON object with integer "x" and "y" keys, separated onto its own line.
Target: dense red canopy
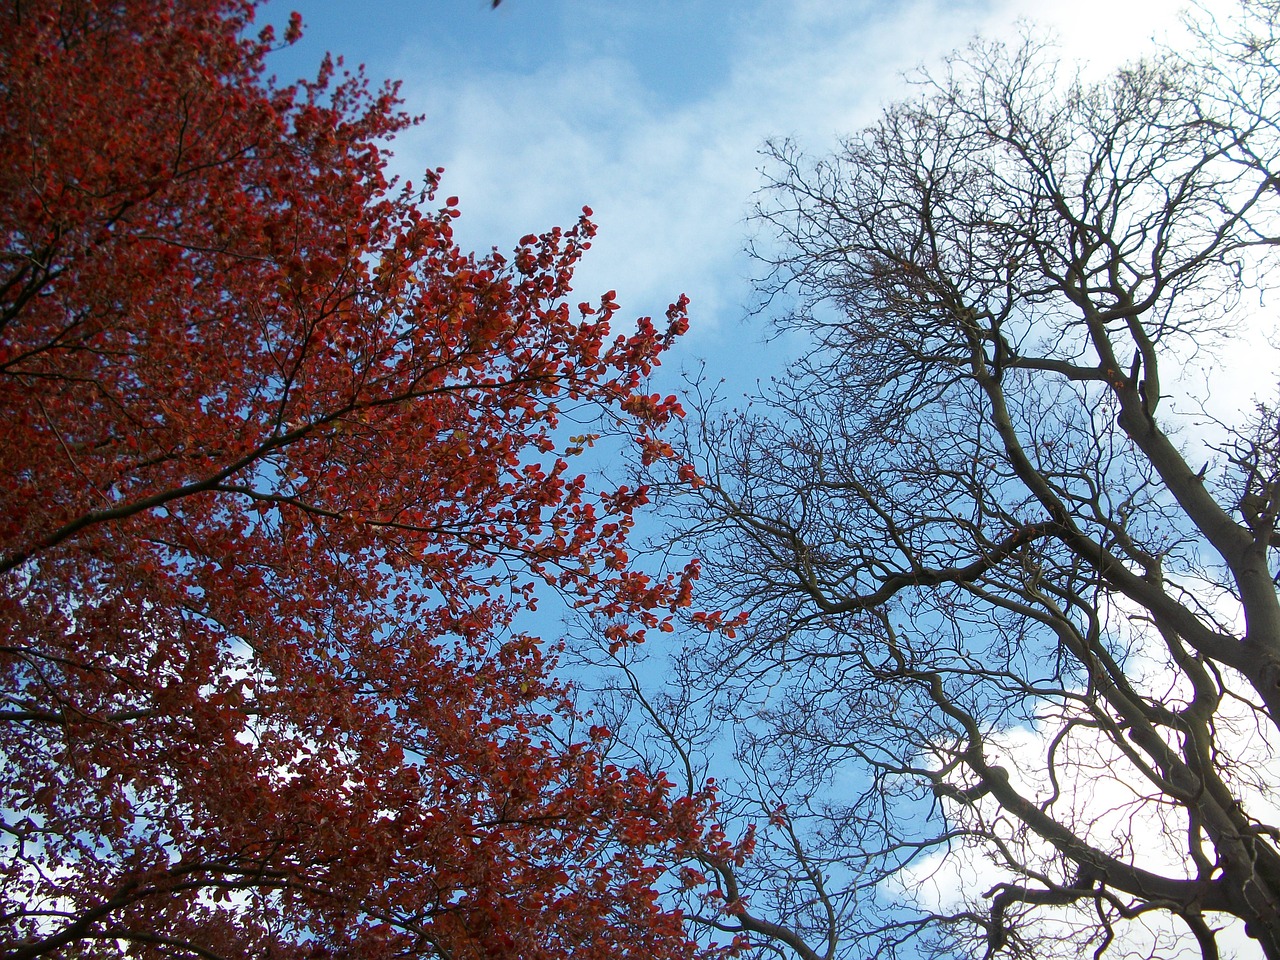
{"x": 280, "y": 464}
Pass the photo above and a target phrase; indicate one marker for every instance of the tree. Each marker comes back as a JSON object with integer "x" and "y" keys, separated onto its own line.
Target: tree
{"x": 281, "y": 464}
{"x": 1011, "y": 682}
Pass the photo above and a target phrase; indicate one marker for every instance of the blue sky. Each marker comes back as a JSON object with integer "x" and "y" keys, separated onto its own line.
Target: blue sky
{"x": 653, "y": 113}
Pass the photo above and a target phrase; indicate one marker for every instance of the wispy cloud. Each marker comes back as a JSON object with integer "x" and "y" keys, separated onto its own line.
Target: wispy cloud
{"x": 671, "y": 173}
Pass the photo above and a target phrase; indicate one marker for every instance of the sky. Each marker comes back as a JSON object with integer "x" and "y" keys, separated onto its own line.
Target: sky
{"x": 653, "y": 113}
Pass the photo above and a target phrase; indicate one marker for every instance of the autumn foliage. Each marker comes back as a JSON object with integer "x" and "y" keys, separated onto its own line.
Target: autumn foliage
{"x": 280, "y": 465}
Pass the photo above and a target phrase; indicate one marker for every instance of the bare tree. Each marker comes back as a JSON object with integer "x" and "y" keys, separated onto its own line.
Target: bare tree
{"x": 1013, "y": 613}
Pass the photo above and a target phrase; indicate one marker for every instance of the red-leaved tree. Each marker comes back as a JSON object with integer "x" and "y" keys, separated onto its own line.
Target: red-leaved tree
{"x": 279, "y": 466}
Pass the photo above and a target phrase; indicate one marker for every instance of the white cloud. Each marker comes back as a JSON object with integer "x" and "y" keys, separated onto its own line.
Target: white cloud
{"x": 1105, "y": 798}
{"x": 1106, "y": 801}
{"x": 671, "y": 179}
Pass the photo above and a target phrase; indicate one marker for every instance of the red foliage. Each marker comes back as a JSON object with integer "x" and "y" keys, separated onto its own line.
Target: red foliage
{"x": 279, "y": 466}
